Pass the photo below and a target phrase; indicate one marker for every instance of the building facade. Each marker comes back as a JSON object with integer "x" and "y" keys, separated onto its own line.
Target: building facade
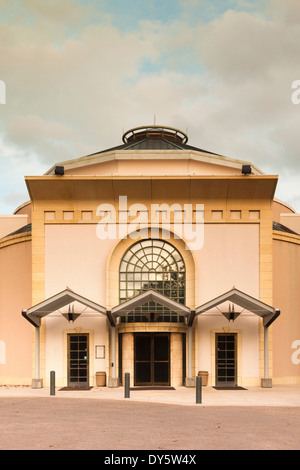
{"x": 154, "y": 258}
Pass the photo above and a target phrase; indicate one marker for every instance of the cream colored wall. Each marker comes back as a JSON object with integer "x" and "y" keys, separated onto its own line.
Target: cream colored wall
{"x": 76, "y": 258}
{"x": 156, "y": 166}
{"x": 56, "y": 330}
{"x": 286, "y": 329}
{"x": 229, "y": 258}
{"x": 15, "y": 295}
{"x": 65, "y": 211}
{"x": 247, "y": 328}
{"x": 237, "y": 212}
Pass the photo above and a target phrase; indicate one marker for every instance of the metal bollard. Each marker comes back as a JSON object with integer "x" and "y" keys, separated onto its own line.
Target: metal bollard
{"x": 52, "y": 382}
{"x": 198, "y": 389}
{"x": 127, "y": 385}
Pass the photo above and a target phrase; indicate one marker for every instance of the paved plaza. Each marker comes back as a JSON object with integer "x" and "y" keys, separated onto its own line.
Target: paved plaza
{"x": 102, "y": 419}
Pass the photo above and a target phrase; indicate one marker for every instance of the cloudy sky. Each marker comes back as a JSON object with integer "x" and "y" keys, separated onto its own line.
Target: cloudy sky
{"x": 78, "y": 73}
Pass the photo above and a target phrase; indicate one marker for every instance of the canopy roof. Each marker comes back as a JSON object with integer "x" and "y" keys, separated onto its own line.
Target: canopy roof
{"x": 151, "y": 296}
{"x": 35, "y": 313}
{"x": 67, "y": 296}
{"x": 266, "y": 312}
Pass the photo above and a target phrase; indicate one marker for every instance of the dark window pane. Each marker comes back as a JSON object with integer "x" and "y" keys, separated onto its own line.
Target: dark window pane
{"x": 161, "y": 348}
{"x": 161, "y": 372}
{"x": 143, "y": 372}
{"x": 143, "y": 348}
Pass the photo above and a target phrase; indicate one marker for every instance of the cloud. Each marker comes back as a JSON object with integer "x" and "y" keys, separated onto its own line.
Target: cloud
{"x": 69, "y": 88}
{"x": 75, "y": 81}
{"x": 287, "y": 12}
{"x": 14, "y": 197}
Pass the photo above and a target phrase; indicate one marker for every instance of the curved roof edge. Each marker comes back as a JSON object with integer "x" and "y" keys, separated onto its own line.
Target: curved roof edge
{"x": 21, "y": 206}
{"x": 288, "y": 206}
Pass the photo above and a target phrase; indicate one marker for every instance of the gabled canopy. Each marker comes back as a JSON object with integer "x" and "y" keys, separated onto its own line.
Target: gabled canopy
{"x": 151, "y": 296}
{"x": 35, "y": 313}
{"x": 266, "y": 312}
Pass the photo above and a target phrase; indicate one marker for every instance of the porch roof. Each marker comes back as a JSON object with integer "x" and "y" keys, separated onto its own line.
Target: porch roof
{"x": 151, "y": 296}
{"x": 40, "y": 310}
{"x": 57, "y": 301}
{"x": 266, "y": 312}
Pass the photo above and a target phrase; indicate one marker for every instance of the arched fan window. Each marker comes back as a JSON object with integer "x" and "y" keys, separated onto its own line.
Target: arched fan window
{"x": 152, "y": 264}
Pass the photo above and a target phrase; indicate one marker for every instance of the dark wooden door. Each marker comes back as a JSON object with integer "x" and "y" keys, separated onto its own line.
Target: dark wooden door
{"x": 152, "y": 359}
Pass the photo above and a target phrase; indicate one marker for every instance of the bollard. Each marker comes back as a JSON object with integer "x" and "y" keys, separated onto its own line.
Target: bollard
{"x": 198, "y": 389}
{"x": 52, "y": 382}
{"x": 127, "y": 385}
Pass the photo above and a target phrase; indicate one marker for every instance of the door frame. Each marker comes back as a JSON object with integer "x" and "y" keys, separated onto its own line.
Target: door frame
{"x": 78, "y": 384}
{"x": 152, "y": 335}
{"x": 234, "y": 382}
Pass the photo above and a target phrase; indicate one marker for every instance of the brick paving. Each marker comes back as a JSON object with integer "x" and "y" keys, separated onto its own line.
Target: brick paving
{"x": 55, "y": 423}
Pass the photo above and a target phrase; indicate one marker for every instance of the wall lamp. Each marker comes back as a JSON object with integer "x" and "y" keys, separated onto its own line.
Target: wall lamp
{"x": 59, "y": 170}
{"x": 71, "y": 314}
{"x": 246, "y": 169}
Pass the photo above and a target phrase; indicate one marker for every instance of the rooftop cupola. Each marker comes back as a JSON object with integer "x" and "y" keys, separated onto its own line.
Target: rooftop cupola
{"x": 142, "y": 133}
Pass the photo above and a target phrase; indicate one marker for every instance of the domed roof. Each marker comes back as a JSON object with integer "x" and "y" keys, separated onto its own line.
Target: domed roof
{"x": 155, "y": 138}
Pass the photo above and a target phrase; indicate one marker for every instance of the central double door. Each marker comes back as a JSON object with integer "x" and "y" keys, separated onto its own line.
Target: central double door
{"x": 152, "y": 359}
